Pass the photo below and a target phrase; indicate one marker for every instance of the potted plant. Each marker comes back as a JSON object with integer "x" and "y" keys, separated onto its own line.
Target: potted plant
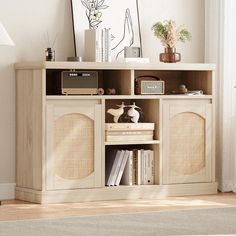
{"x": 169, "y": 35}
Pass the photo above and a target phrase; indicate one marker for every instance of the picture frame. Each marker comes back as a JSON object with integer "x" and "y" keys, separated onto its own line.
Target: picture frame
{"x": 121, "y": 17}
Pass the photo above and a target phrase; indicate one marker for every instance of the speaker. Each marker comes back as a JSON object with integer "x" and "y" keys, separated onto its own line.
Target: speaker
{"x": 149, "y": 85}
{"x": 79, "y": 82}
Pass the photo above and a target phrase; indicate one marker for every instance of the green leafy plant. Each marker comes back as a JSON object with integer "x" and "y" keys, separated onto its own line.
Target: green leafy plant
{"x": 169, "y": 34}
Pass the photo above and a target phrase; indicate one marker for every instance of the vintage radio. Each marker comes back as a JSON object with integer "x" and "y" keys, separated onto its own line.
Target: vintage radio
{"x": 149, "y": 85}
{"x": 79, "y": 82}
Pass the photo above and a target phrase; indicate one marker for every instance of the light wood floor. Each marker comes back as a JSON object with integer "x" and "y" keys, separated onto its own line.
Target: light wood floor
{"x": 18, "y": 210}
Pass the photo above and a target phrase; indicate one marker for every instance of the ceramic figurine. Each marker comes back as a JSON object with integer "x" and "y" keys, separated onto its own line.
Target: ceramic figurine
{"x": 116, "y": 113}
{"x": 134, "y": 113}
{"x": 183, "y": 89}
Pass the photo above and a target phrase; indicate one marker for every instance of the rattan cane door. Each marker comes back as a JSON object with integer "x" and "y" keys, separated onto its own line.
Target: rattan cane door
{"x": 73, "y": 145}
{"x": 187, "y": 136}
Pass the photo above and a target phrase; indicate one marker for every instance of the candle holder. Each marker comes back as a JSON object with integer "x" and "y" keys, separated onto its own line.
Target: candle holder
{"x": 50, "y": 54}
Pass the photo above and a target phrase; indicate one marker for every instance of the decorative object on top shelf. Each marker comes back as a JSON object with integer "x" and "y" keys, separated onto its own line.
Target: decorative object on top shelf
{"x": 133, "y": 113}
{"x": 116, "y": 113}
{"x": 74, "y": 58}
{"x": 49, "y": 51}
{"x": 169, "y": 35}
{"x": 50, "y": 54}
{"x": 132, "y": 52}
{"x": 170, "y": 55}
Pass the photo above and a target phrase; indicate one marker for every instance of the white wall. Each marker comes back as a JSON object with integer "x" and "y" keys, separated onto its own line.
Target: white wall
{"x": 27, "y": 22}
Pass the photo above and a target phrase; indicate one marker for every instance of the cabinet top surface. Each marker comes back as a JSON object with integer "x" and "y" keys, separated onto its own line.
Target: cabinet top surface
{"x": 114, "y": 66}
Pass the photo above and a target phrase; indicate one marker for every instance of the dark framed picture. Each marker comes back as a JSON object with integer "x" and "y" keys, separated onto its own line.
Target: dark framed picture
{"x": 120, "y": 16}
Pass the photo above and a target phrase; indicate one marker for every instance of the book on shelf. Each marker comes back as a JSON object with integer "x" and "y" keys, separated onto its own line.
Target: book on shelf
{"x": 128, "y": 177}
{"x": 110, "y": 158}
{"x": 113, "y": 164}
{"x": 106, "y": 45}
{"x": 148, "y": 177}
{"x": 122, "y": 167}
{"x": 138, "y": 154}
{"x": 129, "y": 126}
{"x": 97, "y": 45}
{"x": 129, "y": 136}
{"x": 117, "y": 167}
{"x": 144, "y": 167}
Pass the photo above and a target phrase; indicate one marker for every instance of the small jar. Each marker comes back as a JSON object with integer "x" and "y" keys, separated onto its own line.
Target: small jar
{"x": 50, "y": 54}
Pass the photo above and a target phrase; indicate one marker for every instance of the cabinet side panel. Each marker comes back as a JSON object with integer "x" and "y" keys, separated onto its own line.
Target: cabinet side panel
{"x": 29, "y": 123}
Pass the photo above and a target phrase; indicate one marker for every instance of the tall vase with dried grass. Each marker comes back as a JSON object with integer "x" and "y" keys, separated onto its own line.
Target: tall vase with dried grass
{"x": 170, "y": 34}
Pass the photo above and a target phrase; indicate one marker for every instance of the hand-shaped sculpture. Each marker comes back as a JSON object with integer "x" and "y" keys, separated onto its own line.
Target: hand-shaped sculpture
{"x": 117, "y": 112}
{"x": 134, "y": 113}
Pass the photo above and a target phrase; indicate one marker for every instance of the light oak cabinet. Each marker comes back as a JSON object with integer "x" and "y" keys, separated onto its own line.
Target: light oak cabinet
{"x": 187, "y": 141}
{"x": 61, "y": 148}
{"x": 73, "y": 148}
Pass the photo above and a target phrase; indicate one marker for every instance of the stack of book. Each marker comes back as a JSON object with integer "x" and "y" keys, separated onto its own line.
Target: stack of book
{"x": 129, "y": 131}
{"x": 130, "y": 167}
{"x": 97, "y": 43}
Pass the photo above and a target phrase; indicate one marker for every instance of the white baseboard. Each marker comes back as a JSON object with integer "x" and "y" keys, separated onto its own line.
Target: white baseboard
{"x": 7, "y": 191}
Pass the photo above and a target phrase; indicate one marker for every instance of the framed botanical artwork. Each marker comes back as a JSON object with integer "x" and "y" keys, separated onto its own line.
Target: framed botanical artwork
{"x": 120, "y": 16}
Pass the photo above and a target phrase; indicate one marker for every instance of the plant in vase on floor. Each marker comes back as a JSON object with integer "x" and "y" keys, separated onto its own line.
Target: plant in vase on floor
{"x": 170, "y": 34}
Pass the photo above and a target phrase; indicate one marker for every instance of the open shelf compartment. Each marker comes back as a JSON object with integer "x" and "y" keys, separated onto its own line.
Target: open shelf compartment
{"x": 118, "y": 81}
{"x": 134, "y": 165}
{"x": 193, "y": 80}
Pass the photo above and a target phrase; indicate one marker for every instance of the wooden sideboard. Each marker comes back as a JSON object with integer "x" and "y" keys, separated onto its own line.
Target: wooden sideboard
{"x": 61, "y": 145}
